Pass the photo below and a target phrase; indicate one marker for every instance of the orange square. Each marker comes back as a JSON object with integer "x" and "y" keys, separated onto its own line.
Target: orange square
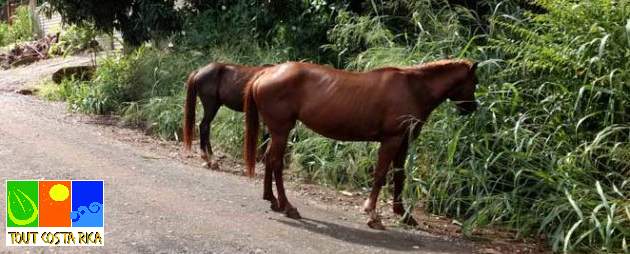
{"x": 54, "y": 203}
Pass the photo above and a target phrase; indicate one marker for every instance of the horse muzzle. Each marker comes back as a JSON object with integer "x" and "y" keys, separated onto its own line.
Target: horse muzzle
{"x": 466, "y": 107}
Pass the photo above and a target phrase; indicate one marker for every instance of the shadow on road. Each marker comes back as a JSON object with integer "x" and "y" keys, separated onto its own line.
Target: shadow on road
{"x": 389, "y": 239}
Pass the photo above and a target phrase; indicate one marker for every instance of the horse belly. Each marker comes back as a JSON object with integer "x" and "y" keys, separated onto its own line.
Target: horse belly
{"x": 346, "y": 118}
{"x": 339, "y": 129}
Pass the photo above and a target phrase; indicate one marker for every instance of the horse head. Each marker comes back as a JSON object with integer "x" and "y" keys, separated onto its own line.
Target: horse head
{"x": 463, "y": 93}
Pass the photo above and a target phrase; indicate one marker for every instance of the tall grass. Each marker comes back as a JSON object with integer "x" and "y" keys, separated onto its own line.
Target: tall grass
{"x": 545, "y": 154}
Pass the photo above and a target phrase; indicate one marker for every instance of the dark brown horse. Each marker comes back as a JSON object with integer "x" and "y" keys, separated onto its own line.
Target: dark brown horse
{"x": 380, "y": 105}
{"x": 216, "y": 84}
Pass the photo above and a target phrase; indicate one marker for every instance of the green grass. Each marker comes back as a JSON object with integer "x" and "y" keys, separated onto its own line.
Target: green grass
{"x": 50, "y": 91}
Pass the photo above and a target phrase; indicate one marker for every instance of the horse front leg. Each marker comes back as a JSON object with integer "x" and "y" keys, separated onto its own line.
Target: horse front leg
{"x": 386, "y": 153}
{"x": 399, "y": 184}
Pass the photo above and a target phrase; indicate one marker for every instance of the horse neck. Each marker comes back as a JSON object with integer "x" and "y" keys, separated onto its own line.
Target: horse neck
{"x": 432, "y": 89}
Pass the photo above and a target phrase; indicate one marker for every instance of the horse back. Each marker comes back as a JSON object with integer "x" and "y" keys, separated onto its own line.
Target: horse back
{"x": 223, "y": 84}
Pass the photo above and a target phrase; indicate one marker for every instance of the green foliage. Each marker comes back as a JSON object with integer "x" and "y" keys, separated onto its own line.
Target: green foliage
{"x": 137, "y": 20}
{"x": 353, "y": 34}
{"x": 74, "y": 39}
{"x": 218, "y": 25}
{"x": 336, "y": 164}
{"x": 298, "y": 27}
{"x": 77, "y": 94}
{"x": 4, "y": 34}
{"x": 50, "y": 91}
{"x": 20, "y": 30}
{"x": 389, "y": 36}
{"x": 544, "y": 154}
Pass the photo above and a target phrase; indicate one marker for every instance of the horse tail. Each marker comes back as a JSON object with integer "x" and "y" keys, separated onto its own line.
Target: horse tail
{"x": 189, "y": 109}
{"x": 252, "y": 126}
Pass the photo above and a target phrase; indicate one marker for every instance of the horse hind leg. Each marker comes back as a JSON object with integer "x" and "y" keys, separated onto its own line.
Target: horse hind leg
{"x": 386, "y": 153}
{"x": 399, "y": 183}
{"x": 274, "y": 162}
{"x": 210, "y": 110}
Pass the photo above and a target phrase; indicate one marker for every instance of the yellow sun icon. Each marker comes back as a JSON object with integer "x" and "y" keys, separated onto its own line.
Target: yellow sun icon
{"x": 59, "y": 192}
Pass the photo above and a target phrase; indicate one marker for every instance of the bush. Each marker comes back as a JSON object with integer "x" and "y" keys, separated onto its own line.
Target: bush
{"x": 20, "y": 30}
{"x": 77, "y": 94}
{"x": 75, "y": 39}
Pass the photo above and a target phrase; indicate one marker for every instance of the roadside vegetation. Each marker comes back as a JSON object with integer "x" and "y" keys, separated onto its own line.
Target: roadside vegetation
{"x": 20, "y": 45}
{"x": 75, "y": 39}
{"x": 20, "y": 30}
{"x": 547, "y": 155}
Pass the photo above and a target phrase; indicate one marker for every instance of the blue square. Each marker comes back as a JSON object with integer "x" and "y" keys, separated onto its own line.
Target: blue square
{"x": 87, "y": 204}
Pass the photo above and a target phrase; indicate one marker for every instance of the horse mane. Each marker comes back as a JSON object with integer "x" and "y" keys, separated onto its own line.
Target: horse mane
{"x": 440, "y": 65}
{"x": 434, "y": 66}
{"x": 388, "y": 68}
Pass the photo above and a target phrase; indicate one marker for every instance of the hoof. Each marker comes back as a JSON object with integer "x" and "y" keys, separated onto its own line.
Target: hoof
{"x": 292, "y": 213}
{"x": 212, "y": 165}
{"x": 375, "y": 224}
{"x": 374, "y": 220}
{"x": 275, "y": 207}
{"x": 398, "y": 209}
{"x": 409, "y": 220}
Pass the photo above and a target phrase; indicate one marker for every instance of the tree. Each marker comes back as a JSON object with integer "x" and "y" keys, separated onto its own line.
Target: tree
{"x": 137, "y": 20}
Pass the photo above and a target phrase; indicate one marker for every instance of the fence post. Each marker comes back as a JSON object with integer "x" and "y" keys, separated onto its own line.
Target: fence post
{"x": 8, "y": 3}
{"x": 37, "y": 28}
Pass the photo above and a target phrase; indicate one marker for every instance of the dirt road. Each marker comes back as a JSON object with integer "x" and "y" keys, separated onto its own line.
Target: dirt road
{"x": 156, "y": 203}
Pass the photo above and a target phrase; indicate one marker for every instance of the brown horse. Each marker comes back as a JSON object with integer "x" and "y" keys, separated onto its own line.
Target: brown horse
{"x": 379, "y": 105}
{"x": 216, "y": 84}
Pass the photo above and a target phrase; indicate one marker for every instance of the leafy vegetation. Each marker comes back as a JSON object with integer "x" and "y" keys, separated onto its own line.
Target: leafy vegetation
{"x": 75, "y": 39}
{"x": 137, "y": 20}
{"x": 20, "y": 30}
{"x": 546, "y": 155}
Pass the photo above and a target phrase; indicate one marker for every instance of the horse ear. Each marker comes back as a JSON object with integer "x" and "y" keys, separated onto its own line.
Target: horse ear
{"x": 473, "y": 68}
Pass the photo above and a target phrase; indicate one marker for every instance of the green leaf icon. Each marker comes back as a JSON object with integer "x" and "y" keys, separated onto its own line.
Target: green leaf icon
{"x": 22, "y": 204}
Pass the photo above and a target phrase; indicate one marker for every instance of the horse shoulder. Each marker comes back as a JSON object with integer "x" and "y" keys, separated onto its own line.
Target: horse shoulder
{"x": 398, "y": 89}
{"x": 391, "y": 79}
